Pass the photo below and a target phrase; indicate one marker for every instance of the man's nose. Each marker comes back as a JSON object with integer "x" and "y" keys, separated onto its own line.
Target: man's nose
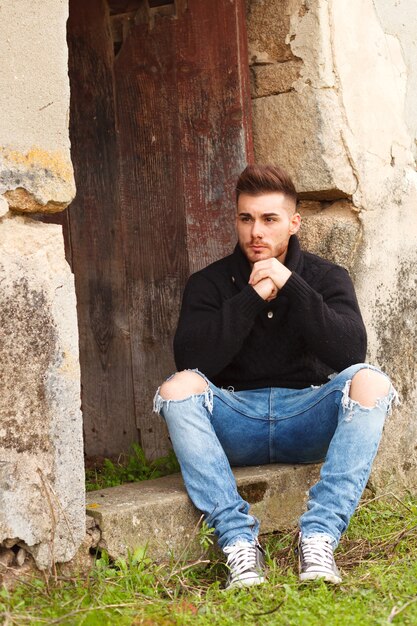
{"x": 257, "y": 230}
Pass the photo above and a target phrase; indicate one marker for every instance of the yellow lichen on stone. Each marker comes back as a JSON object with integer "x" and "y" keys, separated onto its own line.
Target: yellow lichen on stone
{"x": 37, "y": 181}
{"x": 36, "y": 158}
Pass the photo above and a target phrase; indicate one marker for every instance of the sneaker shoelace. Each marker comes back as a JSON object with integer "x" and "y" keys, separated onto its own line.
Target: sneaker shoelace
{"x": 241, "y": 557}
{"x": 317, "y": 551}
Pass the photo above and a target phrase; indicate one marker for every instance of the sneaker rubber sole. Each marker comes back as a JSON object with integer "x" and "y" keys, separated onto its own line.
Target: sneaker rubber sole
{"x": 328, "y": 578}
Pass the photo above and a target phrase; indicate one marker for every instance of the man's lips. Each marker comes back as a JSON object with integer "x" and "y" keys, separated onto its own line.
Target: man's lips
{"x": 257, "y": 247}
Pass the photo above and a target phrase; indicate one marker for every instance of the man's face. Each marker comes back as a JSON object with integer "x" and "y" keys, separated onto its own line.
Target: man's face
{"x": 264, "y": 225}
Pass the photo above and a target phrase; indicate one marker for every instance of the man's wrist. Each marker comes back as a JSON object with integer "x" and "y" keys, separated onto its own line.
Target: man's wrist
{"x": 286, "y": 275}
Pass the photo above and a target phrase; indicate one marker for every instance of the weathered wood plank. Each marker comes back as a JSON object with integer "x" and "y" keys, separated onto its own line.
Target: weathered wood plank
{"x": 95, "y": 231}
{"x": 182, "y": 110}
{"x": 152, "y": 201}
{"x": 214, "y": 108}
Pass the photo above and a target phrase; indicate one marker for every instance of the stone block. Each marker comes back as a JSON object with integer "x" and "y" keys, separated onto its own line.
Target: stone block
{"x": 41, "y": 448}
{"x": 274, "y": 78}
{"x": 332, "y": 231}
{"x": 297, "y": 131}
{"x": 37, "y": 181}
{"x": 268, "y": 24}
{"x": 159, "y": 515}
{"x": 35, "y": 162}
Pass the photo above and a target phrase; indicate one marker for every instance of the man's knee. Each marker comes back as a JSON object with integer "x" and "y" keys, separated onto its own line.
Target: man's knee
{"x": 182, "y": 385}
{"x": 368, "y": 386}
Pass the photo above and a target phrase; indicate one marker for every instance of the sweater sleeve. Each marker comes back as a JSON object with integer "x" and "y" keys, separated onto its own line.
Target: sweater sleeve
{"x": 211, "y": 329}
{"x": 329, "y": 319}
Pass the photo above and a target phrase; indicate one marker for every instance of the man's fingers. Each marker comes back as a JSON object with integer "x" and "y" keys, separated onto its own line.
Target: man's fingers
{"x": 277, "y": 272}
{"x": 257, "y": 275}
{"x": 263, "y": 269}
{"x": 266, "y": 289}
{"x": 272, "y": 295}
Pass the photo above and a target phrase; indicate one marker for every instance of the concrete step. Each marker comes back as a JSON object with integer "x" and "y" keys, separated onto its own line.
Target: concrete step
{"x": 159, "y": 515}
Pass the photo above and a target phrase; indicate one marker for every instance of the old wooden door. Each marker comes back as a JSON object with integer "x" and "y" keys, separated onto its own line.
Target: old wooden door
{"x": 159, "y": 131}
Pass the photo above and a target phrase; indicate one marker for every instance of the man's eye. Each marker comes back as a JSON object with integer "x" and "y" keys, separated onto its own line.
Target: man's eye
{"x": 245, "y": 219}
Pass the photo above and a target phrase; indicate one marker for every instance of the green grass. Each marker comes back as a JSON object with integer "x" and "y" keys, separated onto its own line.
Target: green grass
{"x": 128, "y": 469}
{"x": 378, "y": 557}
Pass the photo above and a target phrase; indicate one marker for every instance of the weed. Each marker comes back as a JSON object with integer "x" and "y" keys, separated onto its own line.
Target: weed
{"x": 205, "y": 535}
{"x": 377, "y": 557}
{"x": 134, "y": 468}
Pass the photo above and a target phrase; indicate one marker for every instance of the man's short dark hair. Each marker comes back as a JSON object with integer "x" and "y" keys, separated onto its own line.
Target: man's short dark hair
{"x": 258, "y": 179}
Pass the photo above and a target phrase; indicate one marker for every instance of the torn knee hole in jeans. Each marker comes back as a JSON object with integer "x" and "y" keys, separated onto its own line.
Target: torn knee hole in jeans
{"x": 385, "y": 403}
{"x": 159, "y": 402}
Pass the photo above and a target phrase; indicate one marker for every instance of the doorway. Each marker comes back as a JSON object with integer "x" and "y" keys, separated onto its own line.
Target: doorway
{"x": 160, "y": 129}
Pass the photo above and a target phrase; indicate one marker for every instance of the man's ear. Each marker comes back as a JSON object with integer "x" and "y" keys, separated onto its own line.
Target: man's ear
{"x": 295, "y": 223}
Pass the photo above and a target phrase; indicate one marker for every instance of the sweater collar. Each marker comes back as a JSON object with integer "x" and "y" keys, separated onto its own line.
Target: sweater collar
{"x": 241, "y": 268}
{"x": 294, "y": 258}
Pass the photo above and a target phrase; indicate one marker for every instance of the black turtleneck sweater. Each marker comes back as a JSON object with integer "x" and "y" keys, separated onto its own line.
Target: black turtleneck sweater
{"x": 312, "y": 328}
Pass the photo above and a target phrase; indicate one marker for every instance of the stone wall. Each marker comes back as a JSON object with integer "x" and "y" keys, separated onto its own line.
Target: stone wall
{"x": 399, "y": 22}
{"x": 41, "y": 454}
{"x": 35, "y": 164}
{"x": 333, "y": 85}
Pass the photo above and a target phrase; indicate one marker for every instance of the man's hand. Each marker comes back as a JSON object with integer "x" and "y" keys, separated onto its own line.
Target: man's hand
{"x": 272, "y": 269}
{"x": 267, "y": 289}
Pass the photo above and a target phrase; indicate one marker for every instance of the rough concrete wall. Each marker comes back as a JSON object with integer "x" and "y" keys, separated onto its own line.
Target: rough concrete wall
{"x": 399, "y": 21}
{"x": 41, "y": 455}
{"x": 338, "y": 124}
{"x": 35, "y": 166}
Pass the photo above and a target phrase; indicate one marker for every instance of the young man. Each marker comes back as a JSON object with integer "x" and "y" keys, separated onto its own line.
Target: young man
{"x": 271, "y": 346}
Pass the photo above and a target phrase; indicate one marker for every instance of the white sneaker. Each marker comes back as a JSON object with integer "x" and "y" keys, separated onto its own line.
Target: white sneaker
{"x": 315, "y": 557}
{"x": 246, "y": 564}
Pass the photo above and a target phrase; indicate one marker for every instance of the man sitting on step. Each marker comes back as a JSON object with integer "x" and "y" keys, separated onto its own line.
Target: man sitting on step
{"x": 270, "y": 347}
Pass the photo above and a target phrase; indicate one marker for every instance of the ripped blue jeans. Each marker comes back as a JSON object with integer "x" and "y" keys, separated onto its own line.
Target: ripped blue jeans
{"x": 220, "y": 428}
